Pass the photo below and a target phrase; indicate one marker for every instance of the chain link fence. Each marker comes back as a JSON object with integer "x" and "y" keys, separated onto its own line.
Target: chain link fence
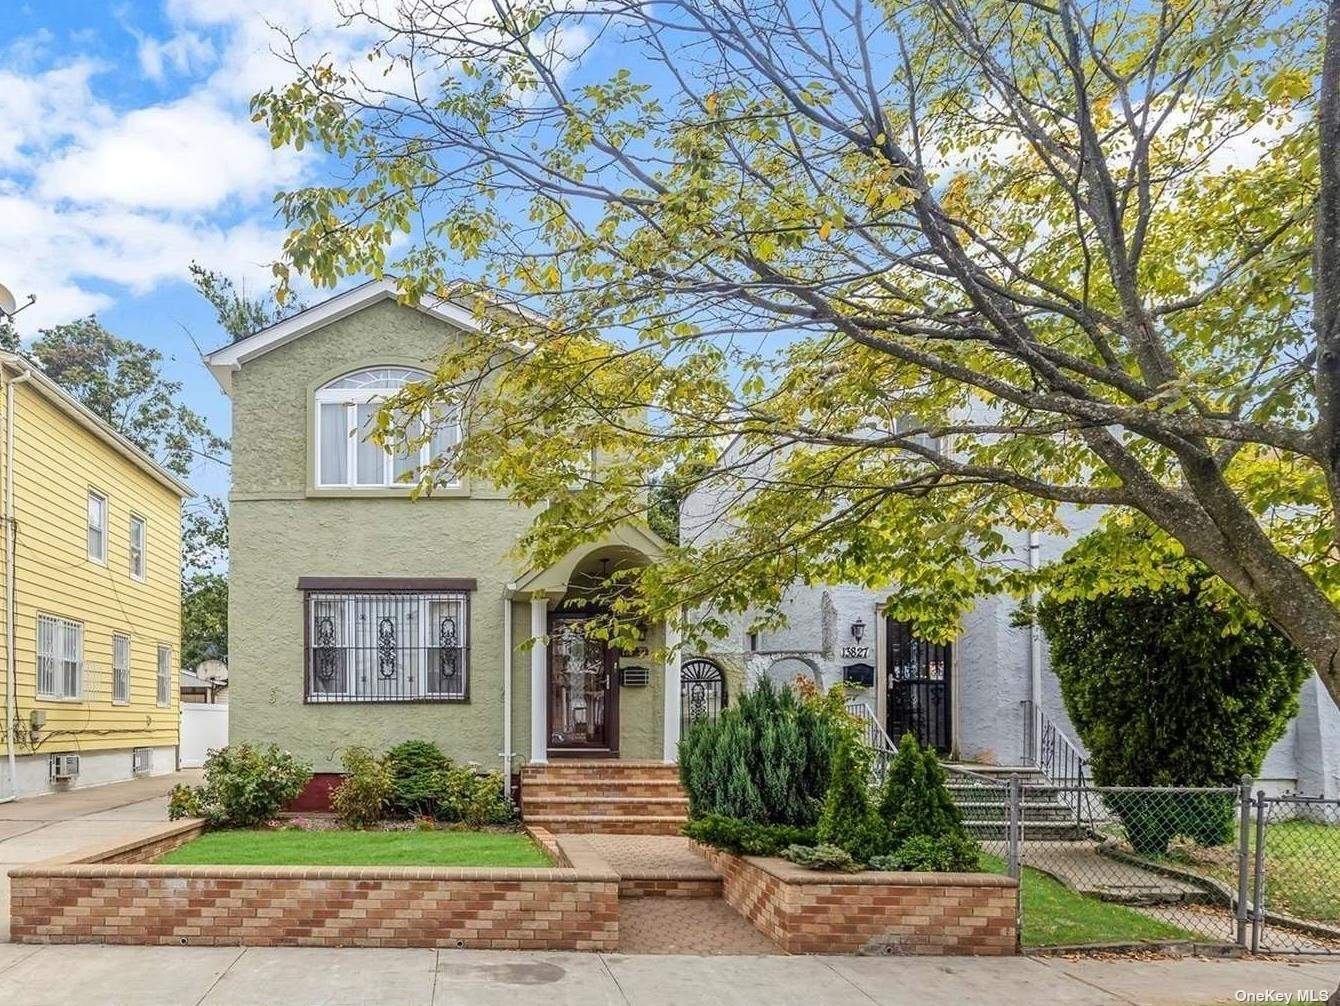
{"x": 1130, "y": 866}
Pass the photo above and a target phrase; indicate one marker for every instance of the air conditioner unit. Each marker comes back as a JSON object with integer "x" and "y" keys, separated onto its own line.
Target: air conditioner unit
{"x": 64, "y": 767}
{"x": 141, "y": 760}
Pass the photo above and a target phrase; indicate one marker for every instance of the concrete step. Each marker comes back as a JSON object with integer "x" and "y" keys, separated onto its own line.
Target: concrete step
{"x": 1030, "y": 811}
{"x": 1034, "y": 831}
{"x": 538, "y": 803}
{"x": 627, "y": 824}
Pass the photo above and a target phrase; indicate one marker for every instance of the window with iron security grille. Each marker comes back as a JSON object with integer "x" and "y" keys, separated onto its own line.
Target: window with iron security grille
{"x": 393, "y": 646}
{"x": 702, "y": 690}
{"x": 60, "y": 658}
{"x": 120, "y": 669}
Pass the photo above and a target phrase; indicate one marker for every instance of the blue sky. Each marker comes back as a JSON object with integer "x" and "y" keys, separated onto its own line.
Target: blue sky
{"x": 127, "y": 151}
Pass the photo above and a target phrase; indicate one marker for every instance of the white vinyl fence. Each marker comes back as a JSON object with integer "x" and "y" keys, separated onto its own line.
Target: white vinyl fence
{"x": 204, "y": 727}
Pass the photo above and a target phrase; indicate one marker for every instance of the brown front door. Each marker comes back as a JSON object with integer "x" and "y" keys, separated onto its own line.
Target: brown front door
{"x": 583, "y": 692}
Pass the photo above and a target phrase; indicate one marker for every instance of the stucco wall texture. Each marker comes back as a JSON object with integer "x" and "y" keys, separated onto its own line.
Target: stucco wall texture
{"x": 991, "y": 677}
{"x": 282, "y": 529}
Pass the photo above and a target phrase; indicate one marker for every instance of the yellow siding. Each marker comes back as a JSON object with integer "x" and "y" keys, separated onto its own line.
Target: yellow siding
{"x": 56, "y": 462}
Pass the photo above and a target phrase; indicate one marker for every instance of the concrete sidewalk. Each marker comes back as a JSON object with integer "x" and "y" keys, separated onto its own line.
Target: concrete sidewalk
{"x": 215, "y": 976}
{"x": 44, "y": 826}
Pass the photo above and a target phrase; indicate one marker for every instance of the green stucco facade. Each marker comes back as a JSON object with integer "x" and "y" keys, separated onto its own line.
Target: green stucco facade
{"x": 283, "y": 528}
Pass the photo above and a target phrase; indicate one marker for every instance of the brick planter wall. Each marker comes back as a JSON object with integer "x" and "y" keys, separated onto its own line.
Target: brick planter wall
{"x": 807, "y": 912}
{"x": 87, "y": 899}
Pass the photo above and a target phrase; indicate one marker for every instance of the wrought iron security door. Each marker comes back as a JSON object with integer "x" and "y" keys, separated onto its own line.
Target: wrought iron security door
{"x": 919, "y": 676}
{"x": 583, "y": 692}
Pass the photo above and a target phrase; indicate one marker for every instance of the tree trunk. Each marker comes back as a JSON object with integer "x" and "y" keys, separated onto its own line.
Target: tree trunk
{"x": 1326, "y": 262}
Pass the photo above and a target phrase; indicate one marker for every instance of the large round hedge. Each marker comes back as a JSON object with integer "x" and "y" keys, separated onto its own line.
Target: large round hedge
{"x": 1166, "y": 689}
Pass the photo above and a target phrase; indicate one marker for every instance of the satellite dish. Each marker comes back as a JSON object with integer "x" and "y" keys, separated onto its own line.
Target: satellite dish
{"x": 8, "y": 305}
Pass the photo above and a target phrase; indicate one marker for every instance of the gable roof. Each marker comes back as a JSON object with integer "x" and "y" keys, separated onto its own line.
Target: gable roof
{"x": 222, "y": 362}
{"x": 92, "y": 422}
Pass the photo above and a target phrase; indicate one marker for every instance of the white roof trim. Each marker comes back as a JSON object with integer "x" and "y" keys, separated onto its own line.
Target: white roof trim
{"x": 94, "y": 423}
{"x": 222, "y": 362}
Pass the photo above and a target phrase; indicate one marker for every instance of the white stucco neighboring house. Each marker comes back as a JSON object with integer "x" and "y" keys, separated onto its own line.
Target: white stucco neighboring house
{"x": 979, "y": 698}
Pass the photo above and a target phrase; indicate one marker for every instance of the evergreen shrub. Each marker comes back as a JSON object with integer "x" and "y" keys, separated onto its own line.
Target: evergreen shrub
{"x": 1170, "y": 687}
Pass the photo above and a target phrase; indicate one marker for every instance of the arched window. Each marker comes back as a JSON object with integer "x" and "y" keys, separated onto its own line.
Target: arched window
{"x": 346, "y": 415}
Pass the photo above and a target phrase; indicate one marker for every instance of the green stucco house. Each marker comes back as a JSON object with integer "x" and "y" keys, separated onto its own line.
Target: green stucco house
{"x": 360, "y": 616}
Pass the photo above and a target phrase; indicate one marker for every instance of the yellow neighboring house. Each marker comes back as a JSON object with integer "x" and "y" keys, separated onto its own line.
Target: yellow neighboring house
{"x": 91, "y": 594}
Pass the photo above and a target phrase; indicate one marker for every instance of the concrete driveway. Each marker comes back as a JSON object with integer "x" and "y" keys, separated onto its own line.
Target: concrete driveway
{"x": 44, "y": 826}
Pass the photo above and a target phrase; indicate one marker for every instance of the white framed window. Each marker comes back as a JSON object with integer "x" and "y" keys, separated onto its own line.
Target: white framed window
{"x": 346, "y": 415}
{"x": 393, "y": 646}
{"x": 120, "y": 669}
{"x": 139, "y": 544}
{"x": 97, "y": 527}
{"x": 60, "y": 658}
{"x": 164, "y": 678}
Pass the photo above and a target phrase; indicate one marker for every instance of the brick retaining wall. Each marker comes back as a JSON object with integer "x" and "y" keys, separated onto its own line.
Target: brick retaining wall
{"x": 807, "y": 912}
{"x": 86, "y": 898}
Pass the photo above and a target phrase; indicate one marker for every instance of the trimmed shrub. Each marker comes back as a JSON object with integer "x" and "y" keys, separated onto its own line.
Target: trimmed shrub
{"x": 947, "y": 853}
{"x": 915, "y": 799}
{"x": 746, "y": 838}
{"x": 848, "y": 820}
{"x": 363, "y": 796}
{"x": 184, "y": 801}
{"x": 1168, "y": 688}
{"x": 460, "y": 793}
{"x": 828, "y": 858}
{"x": 764, "y": 759}
{"x": 244, "y": 786}
{"x": 415, "y": 768}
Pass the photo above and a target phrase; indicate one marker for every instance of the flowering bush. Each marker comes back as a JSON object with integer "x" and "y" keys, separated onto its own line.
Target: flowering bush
{"x": 244, "y": 786}
{"x": 364, "y": 795}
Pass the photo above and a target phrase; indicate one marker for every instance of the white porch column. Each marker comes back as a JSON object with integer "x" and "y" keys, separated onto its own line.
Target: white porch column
{"x": 539, "y": 680}
{"x": 673, "y": 659}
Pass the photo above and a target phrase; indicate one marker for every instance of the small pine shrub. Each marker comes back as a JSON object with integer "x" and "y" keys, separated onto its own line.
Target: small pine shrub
{"x": 746, "y": 838}
{"x": 915, "y": 799}
{"x": 924, "y": 826}
{"x": 827, "y": 858}
{"x": 848, "y": 820}
{"x": 415, "y": 766}
{"x": 765, "y": 759}
{"x": 364, "y": 795}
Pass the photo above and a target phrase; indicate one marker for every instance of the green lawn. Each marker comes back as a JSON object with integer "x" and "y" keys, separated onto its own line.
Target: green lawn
{"x": 292, "y": 847}
{"x": 1302, "y": 868}
{"x": 1055, "y": 916}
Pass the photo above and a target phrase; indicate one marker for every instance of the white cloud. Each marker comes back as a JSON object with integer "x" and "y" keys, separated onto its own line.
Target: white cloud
{"x": 184, "y": 53}
{"x": 66, "y": 256}
{"x": 188, "y": 155}
{"x": 39, "y": 111}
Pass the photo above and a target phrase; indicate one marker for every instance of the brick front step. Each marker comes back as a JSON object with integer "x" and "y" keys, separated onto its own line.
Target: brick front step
{"x": 606, "y": 806}
{"x": 583, "y": 824}
{"x": 604, "y": 797}
{"x": 638, "y": 786}
{"x": 591, "y": 770}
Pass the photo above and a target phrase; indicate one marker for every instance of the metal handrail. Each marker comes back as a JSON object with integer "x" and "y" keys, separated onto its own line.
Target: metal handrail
{"x": 1061, "y": 763}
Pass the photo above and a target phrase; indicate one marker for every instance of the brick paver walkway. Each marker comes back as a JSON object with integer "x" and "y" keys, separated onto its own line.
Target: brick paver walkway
{"x": 706, "y": 926}
{"x": 675, "y": 925}
{"x": 643, "y": 856}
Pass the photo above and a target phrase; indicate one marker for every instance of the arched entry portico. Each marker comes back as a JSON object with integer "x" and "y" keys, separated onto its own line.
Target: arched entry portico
{"x": 576, "y": 687}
